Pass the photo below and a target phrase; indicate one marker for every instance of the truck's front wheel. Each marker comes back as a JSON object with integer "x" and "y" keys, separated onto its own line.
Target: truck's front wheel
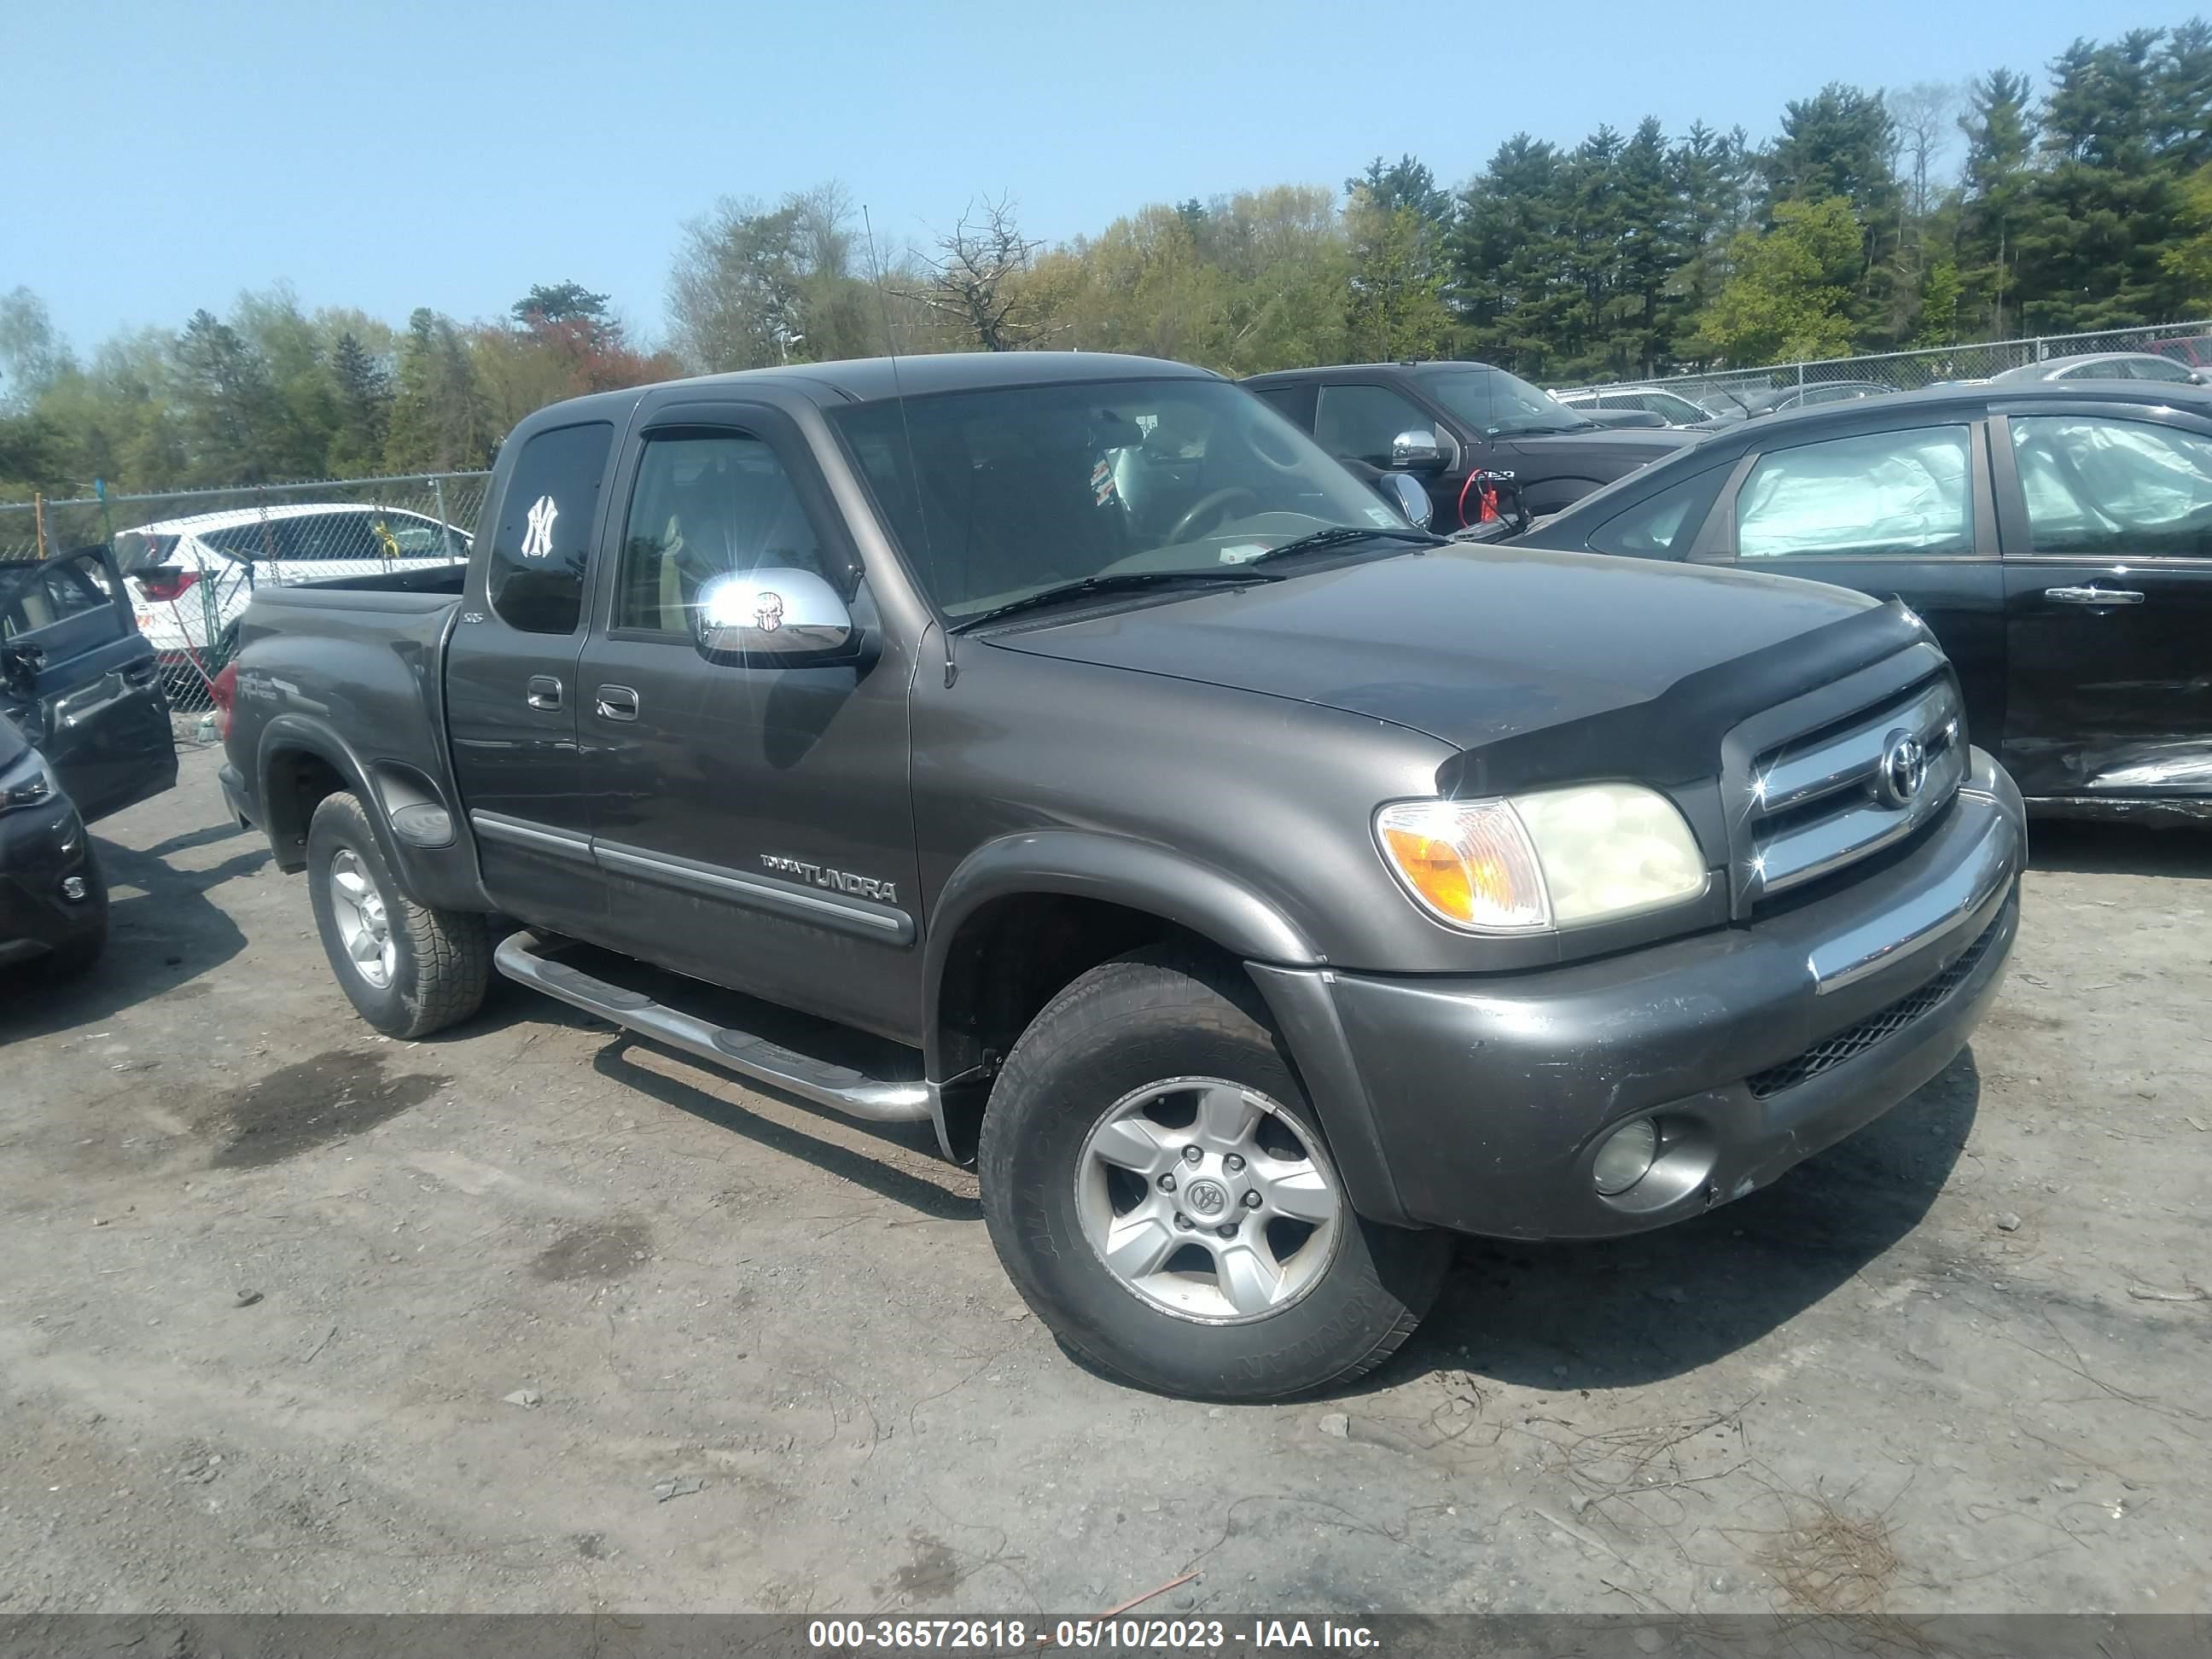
{"x": 1156, "y": 1186}
{"x": 408, "y": 971}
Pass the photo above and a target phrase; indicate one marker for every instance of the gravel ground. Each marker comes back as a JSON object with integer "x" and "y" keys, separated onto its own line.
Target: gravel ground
{"x": 533, "y": 1317}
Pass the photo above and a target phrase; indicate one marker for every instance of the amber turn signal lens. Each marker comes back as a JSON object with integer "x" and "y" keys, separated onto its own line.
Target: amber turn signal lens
{"x": 1471, "y": 863}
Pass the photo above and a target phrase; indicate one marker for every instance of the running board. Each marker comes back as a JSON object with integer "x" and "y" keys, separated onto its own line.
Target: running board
{"x": 520, "y": 956}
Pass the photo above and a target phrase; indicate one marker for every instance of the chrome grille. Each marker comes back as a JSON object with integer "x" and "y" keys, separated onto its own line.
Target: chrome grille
{"x": 1826, "y": 799}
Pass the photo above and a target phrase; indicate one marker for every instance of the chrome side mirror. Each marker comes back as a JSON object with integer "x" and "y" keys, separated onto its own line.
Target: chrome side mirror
{"x": 1405, "y": 492}
{"x": 1416, "y": 451}
{"x": 772, "y": 618}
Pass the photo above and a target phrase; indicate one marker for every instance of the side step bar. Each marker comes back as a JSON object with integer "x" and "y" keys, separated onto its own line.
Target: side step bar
{"x": 520, "y": 958}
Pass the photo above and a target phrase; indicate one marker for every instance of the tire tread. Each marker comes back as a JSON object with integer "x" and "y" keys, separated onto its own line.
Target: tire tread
{"x": 1162, "y": 977}
{"x": 451, "y": 950}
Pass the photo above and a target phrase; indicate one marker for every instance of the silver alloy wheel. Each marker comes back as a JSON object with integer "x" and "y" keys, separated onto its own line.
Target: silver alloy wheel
{"x": 364, "y": 929}
{"x": 1208, "y": 1200}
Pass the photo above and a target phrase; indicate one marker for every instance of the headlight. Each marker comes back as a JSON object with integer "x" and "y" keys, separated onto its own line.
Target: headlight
{"x": 28, "y": 782}
{"x": 1555, "y": 859}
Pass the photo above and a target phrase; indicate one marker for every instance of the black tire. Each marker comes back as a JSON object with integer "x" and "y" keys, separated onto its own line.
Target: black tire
{"x": 1155, "y": 1015}
{"x": 440, "y": 959}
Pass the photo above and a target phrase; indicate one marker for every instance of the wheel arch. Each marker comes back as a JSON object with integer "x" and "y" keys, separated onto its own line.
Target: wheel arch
{"x": 300, "y": 762}
{"x": 1024, "y": 916}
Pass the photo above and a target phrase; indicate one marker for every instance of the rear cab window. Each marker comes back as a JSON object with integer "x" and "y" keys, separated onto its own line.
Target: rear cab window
{"x": 534, "y": 579}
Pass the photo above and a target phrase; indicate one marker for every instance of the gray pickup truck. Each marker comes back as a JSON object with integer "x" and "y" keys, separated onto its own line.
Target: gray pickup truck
{"x": 1065, "y": 751}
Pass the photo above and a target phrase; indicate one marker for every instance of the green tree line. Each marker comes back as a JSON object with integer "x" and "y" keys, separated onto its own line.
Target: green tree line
{"x": 1917, "y": 216}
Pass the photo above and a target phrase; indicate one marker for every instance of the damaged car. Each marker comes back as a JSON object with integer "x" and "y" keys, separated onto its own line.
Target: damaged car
{"x": 84, "y": 731}
{"x": 2056, "y": 536}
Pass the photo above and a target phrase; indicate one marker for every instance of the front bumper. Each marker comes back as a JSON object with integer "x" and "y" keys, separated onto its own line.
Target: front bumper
{"x": 1753, "y": 1048}
{"x": 40, "y": 848}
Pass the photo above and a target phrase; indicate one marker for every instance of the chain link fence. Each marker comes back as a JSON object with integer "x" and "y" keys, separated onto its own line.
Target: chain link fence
{"x": 1724, "y": 391}
{"x": 190, "y": 559}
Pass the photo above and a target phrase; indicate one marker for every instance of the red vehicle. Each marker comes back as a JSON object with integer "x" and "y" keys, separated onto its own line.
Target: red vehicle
{"x": 2194, "y": 350}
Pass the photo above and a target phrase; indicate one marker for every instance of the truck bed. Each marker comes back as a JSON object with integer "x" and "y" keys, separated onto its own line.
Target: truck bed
{"x": 350, "y": 669}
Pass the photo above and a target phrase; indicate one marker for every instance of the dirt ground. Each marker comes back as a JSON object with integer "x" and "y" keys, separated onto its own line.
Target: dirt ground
{"x": 531, "y": 1317}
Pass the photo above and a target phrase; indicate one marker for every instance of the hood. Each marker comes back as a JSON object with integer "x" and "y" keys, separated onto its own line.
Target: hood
{"x": 1467, "y": 643}
{"x": 1633, "y": 446}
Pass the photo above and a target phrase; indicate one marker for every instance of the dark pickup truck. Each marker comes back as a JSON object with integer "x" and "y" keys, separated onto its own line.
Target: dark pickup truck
{"x": 1453, "y": 425}
{"x": 1065, "y": 751}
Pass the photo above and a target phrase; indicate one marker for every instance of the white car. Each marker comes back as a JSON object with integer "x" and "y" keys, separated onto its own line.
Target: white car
{"x": 190, "y": 578}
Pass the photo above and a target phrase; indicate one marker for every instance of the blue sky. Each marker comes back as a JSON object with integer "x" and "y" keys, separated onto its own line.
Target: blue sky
{"x": 390, "y": 154}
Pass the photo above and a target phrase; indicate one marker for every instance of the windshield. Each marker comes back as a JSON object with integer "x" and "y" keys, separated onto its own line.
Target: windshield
{"x": 1496, "y": 402}
{"x": 1027, "y": 488}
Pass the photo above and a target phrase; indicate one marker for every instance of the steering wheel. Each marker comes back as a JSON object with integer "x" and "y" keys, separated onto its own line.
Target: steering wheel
{"x": 1213, "y": 502}
{"x": 1288, "y": 462}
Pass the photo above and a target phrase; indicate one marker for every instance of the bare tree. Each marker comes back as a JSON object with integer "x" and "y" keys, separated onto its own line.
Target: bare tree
{"x": 977, "y": 281}
{"x": 1923, "y": 116}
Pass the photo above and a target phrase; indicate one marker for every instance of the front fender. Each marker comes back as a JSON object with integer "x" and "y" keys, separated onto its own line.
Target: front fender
{"x": 1116, "y": 869}
{"x": 1285, "y": 964}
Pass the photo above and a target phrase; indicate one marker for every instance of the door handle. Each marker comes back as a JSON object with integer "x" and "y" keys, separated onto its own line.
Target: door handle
{"x": 139, "y": 673}
{"x": 617, "y": 703}
{"x": 2093, "y": 595}
{"x": 543, "y": 692}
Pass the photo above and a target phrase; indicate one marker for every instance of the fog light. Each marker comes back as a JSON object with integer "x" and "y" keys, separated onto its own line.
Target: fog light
{"x": 1626, "y": 1157}
{"x": 73, "y": 889}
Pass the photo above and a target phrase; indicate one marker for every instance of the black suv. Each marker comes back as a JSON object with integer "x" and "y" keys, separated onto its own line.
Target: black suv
{"x": 1445, "y": 423}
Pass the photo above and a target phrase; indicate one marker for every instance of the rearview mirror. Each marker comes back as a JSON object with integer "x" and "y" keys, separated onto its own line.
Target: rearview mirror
{"x": 1407, "y": 495}
{"x": 1416, "y": 451}
{"x": 771, "y": 618}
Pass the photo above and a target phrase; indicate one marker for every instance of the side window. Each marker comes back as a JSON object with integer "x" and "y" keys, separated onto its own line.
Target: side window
{"x": 325, "y": 536}
{"x": 703, "y": 506}
{"x": 535, "y": 579}
{"x": 257, "y": 540}
{"x": 2114, "y": 489}
{"x": 2160, "y": 368}
{"x": 1661, "y": 526}
{"x": 1883, "y": 492}
{"x": 1294, "y": 402}
{"x": 1360, "y": 421}
{"x": 62, "y": 590}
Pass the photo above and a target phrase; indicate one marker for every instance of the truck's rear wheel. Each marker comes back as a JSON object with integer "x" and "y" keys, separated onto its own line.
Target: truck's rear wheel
{"x": 408, "y": 971}
{"x": 1157, "y": 1189}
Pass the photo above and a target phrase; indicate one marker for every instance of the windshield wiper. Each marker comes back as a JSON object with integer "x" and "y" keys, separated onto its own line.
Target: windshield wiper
{"x": 1343, "y": 535}
{"x": 1127, "y": 581}
{"x": 1542, "y": 431}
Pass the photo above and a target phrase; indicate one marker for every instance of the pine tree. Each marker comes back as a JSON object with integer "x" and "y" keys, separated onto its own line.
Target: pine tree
{"x": 364, "y": 408}
{"x": 225, "y": 400}
{"x": 2001, "y": 136}
{"x": 438, "y": 422}
{"x": 2106, "y": 205}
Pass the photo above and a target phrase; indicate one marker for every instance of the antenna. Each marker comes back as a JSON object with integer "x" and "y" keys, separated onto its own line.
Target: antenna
{"x": 906, "y": 428}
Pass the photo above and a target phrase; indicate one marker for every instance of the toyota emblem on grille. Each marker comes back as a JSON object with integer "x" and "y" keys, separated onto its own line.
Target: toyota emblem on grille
{"x": 1903, "y": 768}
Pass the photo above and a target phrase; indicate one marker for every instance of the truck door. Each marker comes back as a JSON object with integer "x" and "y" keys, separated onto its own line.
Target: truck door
{"x": 80, "y": 679}
{"x": 511, "y": 681}
{"x": 2107, "y": 511}
{"x": 1362, "y": 422}
{"x": 754, "y": 825}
